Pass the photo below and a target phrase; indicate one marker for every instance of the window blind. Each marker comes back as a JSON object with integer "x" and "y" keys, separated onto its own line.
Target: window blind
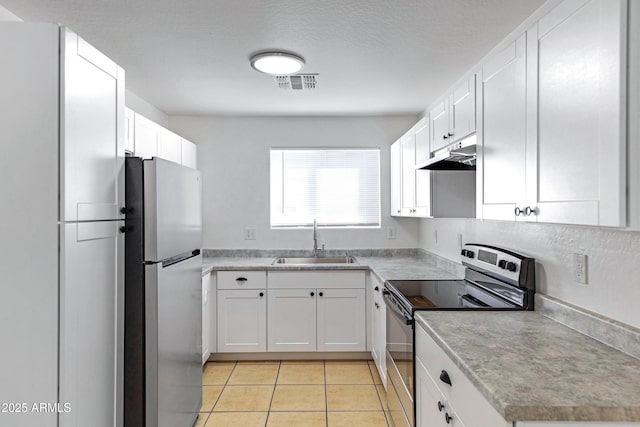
{"x": 336, "y": 187}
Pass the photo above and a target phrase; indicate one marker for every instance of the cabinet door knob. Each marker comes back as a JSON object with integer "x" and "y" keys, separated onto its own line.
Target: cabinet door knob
{"x": 398, "y": 210}
{"x": 445, "y": 137}
{"x": 376, "y": 304}
{"x": 528, "y": 211}
{"x": 444, "y": 377}
{"x": 312, "y": 294}
{"x": 376, "y": 288}
{"x": 450, "y": 134}
{"x": 320, "y": 294}
{"x": 447, "y": 418}
{"x": 440, "y": 406}
{"x": 261, "y": 294}
{"x": 518, "y": 211}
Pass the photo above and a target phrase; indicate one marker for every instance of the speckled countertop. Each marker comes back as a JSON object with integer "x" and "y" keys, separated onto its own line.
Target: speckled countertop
{"x": 402, "y": 266}
{"x": 531, "y": 368}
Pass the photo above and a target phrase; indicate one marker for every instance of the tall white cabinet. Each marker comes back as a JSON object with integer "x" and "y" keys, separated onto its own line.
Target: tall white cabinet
{"x": 62, "y": 320}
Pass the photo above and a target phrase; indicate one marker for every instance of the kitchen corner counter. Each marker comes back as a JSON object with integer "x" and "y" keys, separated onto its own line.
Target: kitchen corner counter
{"x": 393, "y": 267}
{"x": 531, "y": 368}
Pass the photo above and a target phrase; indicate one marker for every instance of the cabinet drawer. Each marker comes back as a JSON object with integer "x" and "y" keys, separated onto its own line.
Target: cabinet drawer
{"x": 462, "y": 395}
{"x": 242, "y": 279}
{"x": 327, "y": 279}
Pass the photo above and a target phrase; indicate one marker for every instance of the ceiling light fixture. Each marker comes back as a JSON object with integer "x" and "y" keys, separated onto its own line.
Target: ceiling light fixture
{"x": 277, "y": 63}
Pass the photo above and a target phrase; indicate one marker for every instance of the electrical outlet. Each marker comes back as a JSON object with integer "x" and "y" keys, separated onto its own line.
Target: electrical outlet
{"x": 250, "y": 233}
{"x": 391, "y": 233}
{"x": 580, "y": 268}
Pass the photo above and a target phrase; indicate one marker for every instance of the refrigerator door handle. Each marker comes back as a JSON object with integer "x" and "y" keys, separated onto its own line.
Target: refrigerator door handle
{"x": 175, "y": 259}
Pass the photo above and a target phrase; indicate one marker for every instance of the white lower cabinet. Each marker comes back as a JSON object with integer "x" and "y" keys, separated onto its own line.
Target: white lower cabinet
{"x": 378, "y": 314}
{"x": 431, "y": 405}
{"x": 317, "y": 311}
{"x": 292, "y": 320}
{"x": 341, "y": 320}
{"x": 206, "y": 317}
{"x": 242, "y": 320}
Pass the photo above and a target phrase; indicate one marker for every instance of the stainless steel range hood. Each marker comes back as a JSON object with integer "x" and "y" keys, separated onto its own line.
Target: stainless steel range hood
{"x": 458, "y": 156}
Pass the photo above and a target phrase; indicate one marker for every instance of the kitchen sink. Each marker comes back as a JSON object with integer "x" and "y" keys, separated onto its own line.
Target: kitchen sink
{"x": 315, "y": 260}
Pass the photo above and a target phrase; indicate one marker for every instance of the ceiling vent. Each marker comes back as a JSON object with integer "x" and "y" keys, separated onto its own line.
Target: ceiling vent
{"x": 297, "y": 81}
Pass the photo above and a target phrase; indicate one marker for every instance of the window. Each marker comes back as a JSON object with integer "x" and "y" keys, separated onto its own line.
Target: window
{"x": 338, "y": 188}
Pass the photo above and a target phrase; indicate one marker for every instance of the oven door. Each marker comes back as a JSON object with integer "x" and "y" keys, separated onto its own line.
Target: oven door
{"x": 399, "y": 354}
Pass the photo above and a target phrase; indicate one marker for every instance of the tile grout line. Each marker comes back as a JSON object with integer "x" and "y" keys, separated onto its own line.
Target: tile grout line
{"x": 384, "y": 413}
{"x": 273, "y": 393}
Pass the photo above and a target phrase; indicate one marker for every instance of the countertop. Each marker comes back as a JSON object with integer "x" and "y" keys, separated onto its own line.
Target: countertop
{"x": 397, "y": 267}
{"x": 531, "y": 368}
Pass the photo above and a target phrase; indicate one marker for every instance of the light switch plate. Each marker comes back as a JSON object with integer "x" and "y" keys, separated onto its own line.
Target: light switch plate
{"x": 250, "y": 233}
{"x": 391, "y": 233}
{"x": 580, "y": 268}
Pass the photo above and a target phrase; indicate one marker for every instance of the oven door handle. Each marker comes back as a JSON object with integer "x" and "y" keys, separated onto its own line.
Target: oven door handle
{"x": 390, "y": 305}
{"x": 467, "y": 301}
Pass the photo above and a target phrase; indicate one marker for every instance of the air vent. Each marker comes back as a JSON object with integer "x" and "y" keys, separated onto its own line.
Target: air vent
{"x": 297, "y": 82}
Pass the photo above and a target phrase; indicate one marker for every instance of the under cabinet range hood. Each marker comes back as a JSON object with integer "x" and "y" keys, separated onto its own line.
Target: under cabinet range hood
{"x": 458, "y": 156}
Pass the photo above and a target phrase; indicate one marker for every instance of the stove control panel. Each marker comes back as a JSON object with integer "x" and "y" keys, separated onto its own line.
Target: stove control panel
{"x": 504, "y": 264}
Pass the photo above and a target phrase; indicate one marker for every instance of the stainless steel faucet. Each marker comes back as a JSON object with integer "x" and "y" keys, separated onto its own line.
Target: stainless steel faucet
{"x": 316, "y": 251}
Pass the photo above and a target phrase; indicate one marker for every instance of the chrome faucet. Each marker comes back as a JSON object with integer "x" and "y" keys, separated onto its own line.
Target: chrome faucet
{"x": 315, "y": 239}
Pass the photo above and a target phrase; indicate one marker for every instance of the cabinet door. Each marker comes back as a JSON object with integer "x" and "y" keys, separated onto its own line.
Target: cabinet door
{"x": 408, "y": 162}
{"x": 439, "y": 118}
{"x": 242, "y": 322}
{"x": 170, "y": 146}
{"x": 422, "y": 179}
{"x": 396, "y": 179}
{"x": 189, "y": 154}
{"x": 432, "y": 409}
{"x": 292, "y": 320}
{"x": 206, "y": 318}
{"x": 147, "y": 136}
{"x": 379, "y": 328}
{"x": 501, "y": 162}
{"x": 92, "y": 142}
{"x": 129, "y": 137}
{"x": 91, "y": 322}
{"x": 577, "y": 152}
{"x": 421, "y": 131}
{"x": 341, "y": 320}
{"x": 463, "y": 109}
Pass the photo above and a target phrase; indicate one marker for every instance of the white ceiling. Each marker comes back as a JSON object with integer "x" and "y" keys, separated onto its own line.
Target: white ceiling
{"x": 373, "y": 56}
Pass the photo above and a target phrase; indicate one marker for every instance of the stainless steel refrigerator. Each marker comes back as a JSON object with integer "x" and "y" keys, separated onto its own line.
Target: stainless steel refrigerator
{"x": 163, "y": 294}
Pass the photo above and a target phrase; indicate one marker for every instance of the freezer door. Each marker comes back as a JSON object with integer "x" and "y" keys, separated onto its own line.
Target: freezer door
{"x": 174, "y": 343}
{"x": 172, "y": 209}
{"x": 92, "y": 133}
{"x": 91, "y": 324}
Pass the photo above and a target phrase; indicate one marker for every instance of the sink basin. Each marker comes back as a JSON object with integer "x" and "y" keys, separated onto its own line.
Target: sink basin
{"x": 313, "y": 260}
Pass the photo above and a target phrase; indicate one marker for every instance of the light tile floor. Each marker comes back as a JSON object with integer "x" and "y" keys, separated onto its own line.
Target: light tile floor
{"x": 292, "y": 393}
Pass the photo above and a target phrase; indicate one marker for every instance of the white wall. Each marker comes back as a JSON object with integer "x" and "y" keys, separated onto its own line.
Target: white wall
{"x": 613, "y": 266}
{"x": 233, "y": 155}
{"x": 145, "y": 108}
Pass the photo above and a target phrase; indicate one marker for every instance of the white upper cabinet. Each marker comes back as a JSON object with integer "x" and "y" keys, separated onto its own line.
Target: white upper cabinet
{"x": 463, "y": 109}
{"x": 455, "y": 117}
{"x": 92, "y": 143}
{"x": 416, "y": 184}
{"x": 189, "y": 154}
{"x": 421, "y": 137}
{"x": 129, "y": 137}
{"x": 553, "y": 120}
{"x": 396, "y": 179}
{"x": 170, "y": 146}
{"x": 502, "y": 135}
{"x": 147, "y": 137}
{"x": 440, "y": 131}
{"x": 407, "y": 161}
{"x": 576, "y": 155}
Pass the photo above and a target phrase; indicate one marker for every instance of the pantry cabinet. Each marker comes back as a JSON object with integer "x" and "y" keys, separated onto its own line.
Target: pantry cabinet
{"x": 454, "y": 118}
{"x": 553, "y": 121}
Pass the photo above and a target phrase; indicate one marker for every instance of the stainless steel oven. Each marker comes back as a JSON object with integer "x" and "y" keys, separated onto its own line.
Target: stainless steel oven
{"x": 495, "y": 279}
